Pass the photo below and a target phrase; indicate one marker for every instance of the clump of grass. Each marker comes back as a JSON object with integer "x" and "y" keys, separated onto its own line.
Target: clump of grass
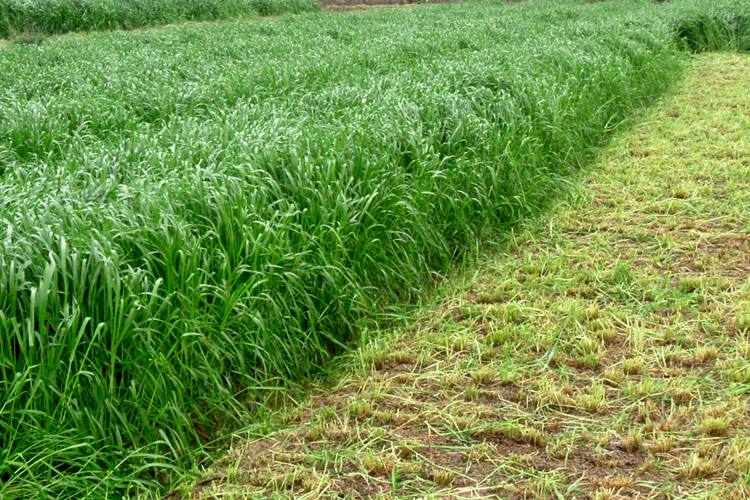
{"x": 631, "y": 442}
{"x": 615, "y": 482}
{"x": 714, "y": 426}
{"x": 513, "y": 431}
{"x": 632, "y": 366}
{"x": 697, "y": 467}
{"x": 662, "y": 444}
{"x": 377, "y": 464}
{"x": 443, "y": 478}
{"x": 484, "y": 376}
{"x": 690, "y": 284}
{"x": 360, "y": 409}
{"x": 595, "y": 400}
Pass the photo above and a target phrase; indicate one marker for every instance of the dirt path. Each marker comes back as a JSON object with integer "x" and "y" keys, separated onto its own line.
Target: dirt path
{"x": 603, "y": 353}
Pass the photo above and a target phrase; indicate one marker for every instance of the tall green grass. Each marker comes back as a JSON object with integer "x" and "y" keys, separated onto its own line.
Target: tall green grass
{"x": 714, "y": 26}
{"x": 19, "y": 17}
{"x": 194, "y": 216}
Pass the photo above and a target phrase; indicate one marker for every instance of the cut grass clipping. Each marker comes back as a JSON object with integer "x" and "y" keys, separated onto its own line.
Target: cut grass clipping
{"x": 600, "y": 353}
{"x": 196, "y": 216}
{"x": 29, "y": 20}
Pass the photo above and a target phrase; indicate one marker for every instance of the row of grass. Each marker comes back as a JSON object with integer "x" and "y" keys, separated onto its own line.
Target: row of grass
{"x": 713, "y": 26}
{"x": 19, "y": 18}
{"x": 193, "y": 217}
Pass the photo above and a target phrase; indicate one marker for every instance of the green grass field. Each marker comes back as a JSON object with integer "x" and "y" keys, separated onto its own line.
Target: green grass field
{"x": 195, "y": 218}
{"x": 29, "y": 20}
{"x": 600, "y": 352}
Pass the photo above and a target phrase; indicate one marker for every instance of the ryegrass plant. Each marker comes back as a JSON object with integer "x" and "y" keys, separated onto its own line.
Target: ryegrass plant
{"x": 22, "y": 17}
{"x": 196, "y": 215}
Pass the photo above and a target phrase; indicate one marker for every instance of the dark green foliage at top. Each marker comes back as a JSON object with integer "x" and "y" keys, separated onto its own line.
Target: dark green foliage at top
{"x": 19, "y": 17}
{"x": 195, "y": 215}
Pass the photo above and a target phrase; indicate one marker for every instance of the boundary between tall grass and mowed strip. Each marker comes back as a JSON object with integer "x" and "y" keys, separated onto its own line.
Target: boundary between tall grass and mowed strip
{"x": 199, "y": 216}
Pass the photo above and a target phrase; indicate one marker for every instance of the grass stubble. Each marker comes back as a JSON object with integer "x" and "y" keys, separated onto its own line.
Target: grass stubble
{"x": 198, "y": 216}
{"x": 601, "y": 352}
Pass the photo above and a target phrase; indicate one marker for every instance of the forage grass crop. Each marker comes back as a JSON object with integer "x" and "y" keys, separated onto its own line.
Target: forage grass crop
{"x": 22, "y": 18}
{"x": 196, "y": 216}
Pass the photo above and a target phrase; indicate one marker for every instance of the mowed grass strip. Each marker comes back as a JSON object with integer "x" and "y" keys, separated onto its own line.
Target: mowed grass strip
{"x": 602, "y": 352}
